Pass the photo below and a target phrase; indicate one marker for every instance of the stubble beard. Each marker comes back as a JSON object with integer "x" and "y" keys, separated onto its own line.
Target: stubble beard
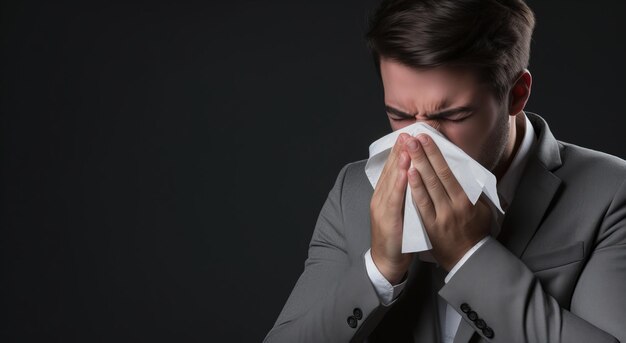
{"x": 496, "y": 144}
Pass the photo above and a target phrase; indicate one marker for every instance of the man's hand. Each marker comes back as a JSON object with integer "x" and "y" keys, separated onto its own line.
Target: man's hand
{"x": 386, "y": 214}
{"x": 453, "y": 224}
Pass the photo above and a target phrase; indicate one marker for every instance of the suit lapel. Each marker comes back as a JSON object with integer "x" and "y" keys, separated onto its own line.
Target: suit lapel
{"x": 534, "y": 193}
{"x": 533, "y": 196}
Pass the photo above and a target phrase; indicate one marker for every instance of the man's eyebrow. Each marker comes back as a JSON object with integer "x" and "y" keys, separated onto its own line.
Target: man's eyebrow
{"x": 437, "y": 115}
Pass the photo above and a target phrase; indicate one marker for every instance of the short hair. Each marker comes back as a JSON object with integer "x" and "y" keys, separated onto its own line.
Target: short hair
{"x": 491, "y": 37}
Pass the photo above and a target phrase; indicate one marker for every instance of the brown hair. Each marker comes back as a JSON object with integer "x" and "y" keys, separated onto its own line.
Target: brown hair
{"x": 491, "y": 37}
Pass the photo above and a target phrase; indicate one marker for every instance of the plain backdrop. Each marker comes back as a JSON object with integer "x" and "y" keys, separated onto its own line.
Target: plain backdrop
{"x": 163, "y": 163}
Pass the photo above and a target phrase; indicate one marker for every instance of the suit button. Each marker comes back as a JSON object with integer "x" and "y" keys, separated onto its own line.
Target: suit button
{"x": 481, "y": 324}
{"x": 488, "y": 332}
{"x": 352, "y": 322}
{"x": 465, "y": 308}
{"x": 472, "y": 316}
{"x": 358, "y": 314}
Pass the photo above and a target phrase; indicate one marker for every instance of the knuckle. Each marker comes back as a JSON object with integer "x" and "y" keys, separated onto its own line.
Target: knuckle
{"x": 445, "y": 174}
{"x": 431, "y": 181}
{"x": 419, "y": 155}
{"x": 462, "y": 198}
{"x": 443, "y": 213}
{"x": 403, "y": 158}
{"x": 464, "y": 206}
{"x": 400, "y": 180}
{"x": 422, "y": 201}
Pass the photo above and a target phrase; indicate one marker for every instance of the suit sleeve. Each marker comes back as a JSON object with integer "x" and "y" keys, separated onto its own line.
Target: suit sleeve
{"x": 510, "y": 301}
{"x": 332, "y": 288}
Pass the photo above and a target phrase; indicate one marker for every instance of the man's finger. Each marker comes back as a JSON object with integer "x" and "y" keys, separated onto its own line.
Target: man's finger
{"x": 441, "y": 168}
{"x": 396, "y": 193}
{"x": 420, "y": 196}
{"x": 388, "y": 176}
{"x": 431, "y": 181}
{"x": 393, "y": 155}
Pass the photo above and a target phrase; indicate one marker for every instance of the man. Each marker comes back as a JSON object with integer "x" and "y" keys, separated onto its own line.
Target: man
{"x": 556, "y": 269}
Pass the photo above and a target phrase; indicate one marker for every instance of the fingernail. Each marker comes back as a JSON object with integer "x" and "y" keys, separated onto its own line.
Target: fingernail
{"x": 423, "y": 139}
{"x": 412, "y": 145}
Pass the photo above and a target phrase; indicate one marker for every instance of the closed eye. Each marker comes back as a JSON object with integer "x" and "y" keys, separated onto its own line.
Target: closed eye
{"x": 456, "y": 120}
{"x": 399, "y": 119}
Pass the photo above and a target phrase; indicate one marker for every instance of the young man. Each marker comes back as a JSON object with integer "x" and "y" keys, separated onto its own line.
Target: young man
{"x": 556, "y": 269}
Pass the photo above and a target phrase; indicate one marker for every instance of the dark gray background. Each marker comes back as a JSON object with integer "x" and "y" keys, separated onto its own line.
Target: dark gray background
{"x": 163, "y": 163}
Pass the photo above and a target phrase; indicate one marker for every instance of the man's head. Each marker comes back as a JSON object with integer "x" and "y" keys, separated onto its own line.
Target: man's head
{"x": 465, "y": 55}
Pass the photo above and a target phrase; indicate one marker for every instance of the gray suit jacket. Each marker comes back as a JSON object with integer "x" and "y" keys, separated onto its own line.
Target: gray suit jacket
{"x": 556, "y": 272}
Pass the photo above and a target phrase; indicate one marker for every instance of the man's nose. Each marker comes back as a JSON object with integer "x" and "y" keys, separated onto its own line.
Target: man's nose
{"x": 431, "y": 122}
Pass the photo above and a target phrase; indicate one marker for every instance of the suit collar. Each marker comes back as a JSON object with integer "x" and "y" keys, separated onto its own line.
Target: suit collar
{"x": 547, "y": 149}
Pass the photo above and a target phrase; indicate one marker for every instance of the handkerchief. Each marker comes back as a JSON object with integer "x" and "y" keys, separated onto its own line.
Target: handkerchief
{"x": 472, "y": 176}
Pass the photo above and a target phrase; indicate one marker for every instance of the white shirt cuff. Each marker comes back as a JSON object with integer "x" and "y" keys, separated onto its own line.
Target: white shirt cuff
{"x": 386, "y": 292}
{"x": 465, "y": 257}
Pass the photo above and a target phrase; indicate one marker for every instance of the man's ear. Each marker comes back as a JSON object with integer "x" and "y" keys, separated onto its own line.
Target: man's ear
{"x": 520, "y": 92}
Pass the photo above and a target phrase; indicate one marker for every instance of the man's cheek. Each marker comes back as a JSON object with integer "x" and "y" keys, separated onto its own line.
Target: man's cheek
{"x": 469, "y": 142}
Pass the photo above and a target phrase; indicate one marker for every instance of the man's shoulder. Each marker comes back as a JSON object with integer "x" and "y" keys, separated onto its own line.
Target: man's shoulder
{"x": 576, "y": 154}
{"x": 352, "y": 176}
{"x": 356, "y": 166}
{"x": 589, "y": 163}
{"x": 354, "y": 171}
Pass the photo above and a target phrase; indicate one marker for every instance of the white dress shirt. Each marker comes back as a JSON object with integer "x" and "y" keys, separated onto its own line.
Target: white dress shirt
{"x": 449, "y": 318}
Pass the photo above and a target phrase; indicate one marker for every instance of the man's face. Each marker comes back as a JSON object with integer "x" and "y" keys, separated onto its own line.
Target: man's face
{"x": 451, "y": 101}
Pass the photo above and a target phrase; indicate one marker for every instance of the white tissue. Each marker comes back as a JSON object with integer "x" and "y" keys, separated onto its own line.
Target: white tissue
{"x": 473, "y": 177}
